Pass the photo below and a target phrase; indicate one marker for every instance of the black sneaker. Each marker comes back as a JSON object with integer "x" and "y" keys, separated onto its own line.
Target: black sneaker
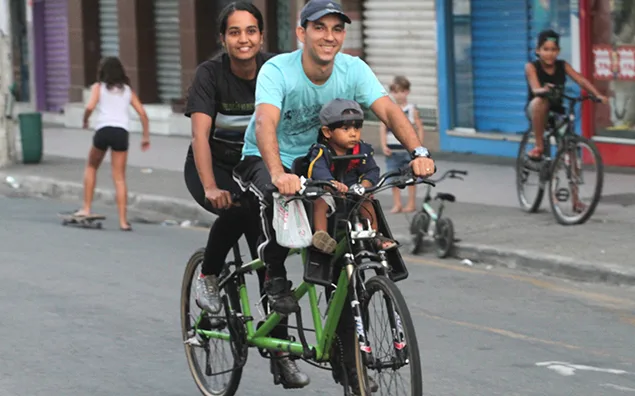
{"x": 280, "y": 297}
{"x": 207, "y": 294}
{"x": 287, "y": 373}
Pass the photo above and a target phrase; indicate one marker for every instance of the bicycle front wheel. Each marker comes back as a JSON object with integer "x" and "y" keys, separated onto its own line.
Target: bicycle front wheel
{"x": 213, "y": 362}
{"x": 396, "y": 364}
{"x": 529, "y": 186}
{"x": 577, "y": 177}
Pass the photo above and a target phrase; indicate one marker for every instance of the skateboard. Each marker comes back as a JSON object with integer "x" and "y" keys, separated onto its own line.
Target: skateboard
{"x": 92, "y": 221}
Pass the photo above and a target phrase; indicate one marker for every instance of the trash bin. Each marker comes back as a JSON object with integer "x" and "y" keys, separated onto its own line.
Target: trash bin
{"x": 31, "y": 137}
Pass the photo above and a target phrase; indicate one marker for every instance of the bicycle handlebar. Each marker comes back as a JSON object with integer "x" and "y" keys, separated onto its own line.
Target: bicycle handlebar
{"x": 452, "y": 174}
{"x": 582, "y": 98}
{"x": 316, "y": 188}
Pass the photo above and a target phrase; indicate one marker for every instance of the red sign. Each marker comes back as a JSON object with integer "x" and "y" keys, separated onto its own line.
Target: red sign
{"x": 614, "y": 63}
{"x": 603, "y": 62}
{"x": 626, "y": 56}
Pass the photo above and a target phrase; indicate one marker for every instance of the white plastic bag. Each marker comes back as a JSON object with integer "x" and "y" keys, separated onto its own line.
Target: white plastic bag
{"x": 291, "y": 222}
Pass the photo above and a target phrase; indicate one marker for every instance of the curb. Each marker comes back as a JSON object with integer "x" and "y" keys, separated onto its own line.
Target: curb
{"x": 177, "y": 209}
{"x": 546, "y": 264}
{"x": 153, "y": 205}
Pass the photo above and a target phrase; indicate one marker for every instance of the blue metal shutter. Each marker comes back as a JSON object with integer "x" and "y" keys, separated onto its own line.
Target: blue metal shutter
{"x": 56, "y": 57}
{"x": 108, "y": 28}
{"x": 168, "y": 42}
{"x": 500, "y": 40}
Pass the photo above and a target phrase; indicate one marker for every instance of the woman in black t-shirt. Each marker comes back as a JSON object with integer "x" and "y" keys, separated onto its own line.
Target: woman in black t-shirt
{"x": 546, "y": 79}
{"x": 220, "y": 103}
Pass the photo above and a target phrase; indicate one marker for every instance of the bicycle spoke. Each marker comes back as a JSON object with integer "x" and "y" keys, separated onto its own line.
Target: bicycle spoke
{"x": 576, "y": 182}
{"x": 394, "y": 377}
{"x": 210, "y": 360}
{"x": 529, "y": 185}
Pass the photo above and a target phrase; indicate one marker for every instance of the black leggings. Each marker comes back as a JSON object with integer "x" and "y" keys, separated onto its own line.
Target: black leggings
{"x": 230, "y": 225}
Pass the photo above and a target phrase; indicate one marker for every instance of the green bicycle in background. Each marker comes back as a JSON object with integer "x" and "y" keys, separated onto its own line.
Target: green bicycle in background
{"x": 384, "y": 344}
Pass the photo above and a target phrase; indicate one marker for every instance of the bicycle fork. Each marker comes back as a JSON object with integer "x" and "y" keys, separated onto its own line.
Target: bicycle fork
{"x": 399, "y": 339}
{"x": 362, "y": 339}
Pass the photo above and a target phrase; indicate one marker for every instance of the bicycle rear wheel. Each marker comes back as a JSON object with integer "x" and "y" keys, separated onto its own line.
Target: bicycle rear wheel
{"x": 391, "y": 335}
{"x": 579, "y": 164}
{"x": 529, "y": 186}
{"x": 212, "y": 377}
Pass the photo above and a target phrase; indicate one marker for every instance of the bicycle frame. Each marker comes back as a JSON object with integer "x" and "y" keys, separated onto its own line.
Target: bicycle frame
{"x": 567, "y": 120}
{"x": 434, "y": 214}
{"x": 324, "y": 334}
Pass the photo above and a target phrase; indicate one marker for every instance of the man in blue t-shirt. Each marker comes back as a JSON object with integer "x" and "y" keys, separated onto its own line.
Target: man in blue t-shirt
{"x": 290, "y": 91}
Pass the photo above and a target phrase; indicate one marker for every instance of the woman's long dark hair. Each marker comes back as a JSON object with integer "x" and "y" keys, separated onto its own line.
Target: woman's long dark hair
{"x": 239, "y": 6}
{"x": 228, "y": 10}
{"x": 112, "y": 73}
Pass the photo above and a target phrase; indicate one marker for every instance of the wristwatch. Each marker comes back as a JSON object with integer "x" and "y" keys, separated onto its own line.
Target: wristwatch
{"x": 420, "y": 152}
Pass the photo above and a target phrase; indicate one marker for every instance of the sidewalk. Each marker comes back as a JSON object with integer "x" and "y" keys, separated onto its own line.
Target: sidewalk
{"x": 486, "y": 216}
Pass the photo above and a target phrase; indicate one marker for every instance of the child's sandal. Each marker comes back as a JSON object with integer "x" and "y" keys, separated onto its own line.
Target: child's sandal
{"x": 322, "y": 241}
{"x": 385, "y": 244}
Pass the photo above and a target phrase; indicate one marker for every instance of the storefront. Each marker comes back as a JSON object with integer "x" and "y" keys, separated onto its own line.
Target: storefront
{"x": 400, "y": 39}
{"x": 483, "y": 47}
{"x": 51, "y": 50}
{"x": 108, "y": 28}
{"x": 608, "y": 31}
{"x": 168, "y": 49}
{"x": 20, "y": 49}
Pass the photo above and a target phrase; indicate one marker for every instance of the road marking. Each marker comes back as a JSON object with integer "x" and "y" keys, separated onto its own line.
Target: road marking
{"x": 618, "y": 387}
{"x": 505, "y": 333}
{"x": 543, "y": 284}
{"x": 521, "y": 337}
{"x": 568, "y": 369}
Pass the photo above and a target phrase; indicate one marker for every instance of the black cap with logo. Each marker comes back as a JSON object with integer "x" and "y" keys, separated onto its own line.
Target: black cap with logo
{"x": 316, "y": 9}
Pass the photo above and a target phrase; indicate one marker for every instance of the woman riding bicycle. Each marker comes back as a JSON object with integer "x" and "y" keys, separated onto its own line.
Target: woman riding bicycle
{"x": 546, "y": 78}
{"x": 220, "y": 103}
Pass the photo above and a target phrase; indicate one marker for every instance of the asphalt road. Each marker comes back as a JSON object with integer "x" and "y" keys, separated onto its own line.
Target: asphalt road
{"x": 96, "y": 312}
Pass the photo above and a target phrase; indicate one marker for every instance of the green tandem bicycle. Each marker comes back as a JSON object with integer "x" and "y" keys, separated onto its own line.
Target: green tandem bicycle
{"x": 357, "y": 273}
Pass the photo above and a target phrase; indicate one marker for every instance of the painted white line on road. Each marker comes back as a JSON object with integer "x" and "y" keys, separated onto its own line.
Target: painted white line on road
{"x": 618, "y": 387}
{"x": 568, "y": 369}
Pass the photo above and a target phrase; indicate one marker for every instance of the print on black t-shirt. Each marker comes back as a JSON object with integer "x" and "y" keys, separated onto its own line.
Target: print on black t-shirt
{"x": 229, "y": 100}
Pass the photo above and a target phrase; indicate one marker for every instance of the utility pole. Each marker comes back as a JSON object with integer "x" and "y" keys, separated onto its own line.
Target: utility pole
{"x": 6, "y": 77}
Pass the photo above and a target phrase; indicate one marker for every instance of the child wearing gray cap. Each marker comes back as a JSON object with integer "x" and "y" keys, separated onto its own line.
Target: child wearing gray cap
{"x": 342, "y": 121}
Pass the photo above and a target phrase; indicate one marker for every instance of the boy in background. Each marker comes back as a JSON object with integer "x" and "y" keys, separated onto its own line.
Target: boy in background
{"x": 396, "y": 155}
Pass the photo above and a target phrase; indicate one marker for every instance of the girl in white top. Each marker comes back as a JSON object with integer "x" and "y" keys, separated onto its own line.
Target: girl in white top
{"x": 112, "y": 96}
{"x": 396, "y": 155}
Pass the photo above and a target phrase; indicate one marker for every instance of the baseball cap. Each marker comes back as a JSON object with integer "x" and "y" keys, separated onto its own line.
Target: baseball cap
{"x": 334, "y": 110}
{"x": 316, "y": 9}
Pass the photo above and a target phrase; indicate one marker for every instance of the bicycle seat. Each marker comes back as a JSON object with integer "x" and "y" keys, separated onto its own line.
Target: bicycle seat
{"x": 446, "y": 197}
